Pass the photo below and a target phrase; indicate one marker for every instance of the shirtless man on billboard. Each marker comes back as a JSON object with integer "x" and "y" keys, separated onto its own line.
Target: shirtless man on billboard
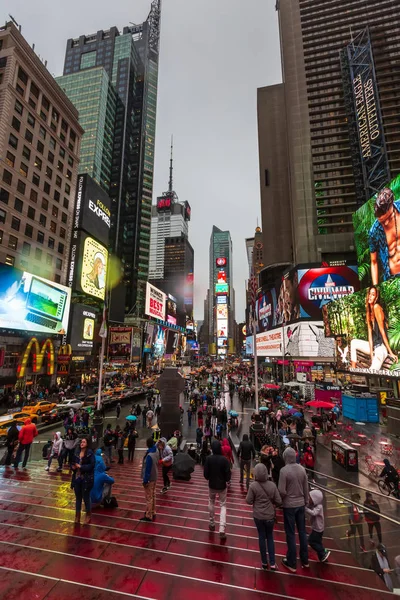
{"x": 384, "y": 237}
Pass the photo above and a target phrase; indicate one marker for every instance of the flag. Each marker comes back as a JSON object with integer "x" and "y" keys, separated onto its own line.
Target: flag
{"x": 103, "y": 328}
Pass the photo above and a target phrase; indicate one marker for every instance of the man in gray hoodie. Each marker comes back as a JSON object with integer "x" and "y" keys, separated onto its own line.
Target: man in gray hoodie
{"x": 293, "y": 488}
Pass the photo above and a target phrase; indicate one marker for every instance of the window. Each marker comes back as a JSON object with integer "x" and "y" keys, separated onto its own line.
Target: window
{"x": 31, "y": 213}
{"x": 45, "y": 103}
{"x": 42, "y": 220}
{"x": 54, "y": 211}
{"x": 62, "y": 232}
{"x": 70, "y": 161}
{"x": 42, "y": 132}
{"x": 67, "y": 188}
{"x": 28, "y": 136}
{"x": 36, "y": 179}
{"x": 32, "y": 103}
{"x": 60, "y": 166}
{"x": 66, "y": 203}
{"x": 10, "y": 260}
{"x": 7, "y": 177}
{"x": 40, "y": 147}
{"x": 13, "y": 141}
{"x": 40, "y": 237}
{"x": 88, "y": 60}
{"x": 49, "y": 259}
{"x": 58, "y": 181}
{"x": 28, "y": 230}
{"x": 69, "y": 174}
{"x": 64, "y": 217}
{"x": 10, "y": 159}
{"x": 3, "y": 216}
{"x": 33, "y": 195}
{"x": 16, "y": 124}
{"x": 12, "y": 242}
{"x": 26, "y": 153}
{"x": 53, "y": 227}
{"x": 64, "y": 125}
{"x": 22, "y": 76}
{"x": 51, "y": 243}
{"x": 57, "y": 278}
{"x": 15, "y": 223}
{"x": 1, "y": 237}
{"x": 18, "y": 205}
{"x": 4, "y": 195}
{"x": 26, "y": 249}
{"x": 19, "y": 89}
{"x": 56, "y": 196}
{"x": 50, "y": 157}
{"x": 45, "y": 204}
{"x": 23, "y": 169}
{"x": 38, "y": 163}
{"x": 38, "y": 253}
{"x": 62, "y": 152}
{"x": 58, "y": 263}
{"x": 52, "y": 143}
{"x": 61, "y": 248}
{"x": 31, "y": 120}
{"x": 46, "y": 187}
{"x": 49, "y": 172}
{"x": 18, "y": 107}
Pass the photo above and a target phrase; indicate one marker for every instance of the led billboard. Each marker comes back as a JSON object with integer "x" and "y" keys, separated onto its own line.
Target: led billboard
{"x": 221, "y": 261}
{"x": 82, "y": 327}
{"x": 376, "y": 234}
{"x": 221, "y": 288}
{"x": 366, "y": 326}
{"x": 32, "y": 304}
{"x": 120, "y": 344}
{"x": 222, "y": 311}
{"x": 149, "y": 337}
{"x": 155, "y": 302}
{"x": 171, "y": 310}
{"x": 92, "y": 209}
{"x": 222, "y": 327}
{"x": 88, "y": 266}
{"x": 222, "y": 299}
{"x": 317, "y": 287}
{"x": 304, "y": 339}
{"x": 164, "y": 203}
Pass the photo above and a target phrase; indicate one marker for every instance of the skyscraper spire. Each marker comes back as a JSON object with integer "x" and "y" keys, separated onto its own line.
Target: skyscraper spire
{"x": 171, "y": 166}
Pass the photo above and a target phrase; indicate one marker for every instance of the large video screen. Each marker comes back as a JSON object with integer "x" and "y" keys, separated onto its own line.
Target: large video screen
{"x": 91, "y": 271}
{"x": 120, "y": 344}
{"x": 377, "y": 235}
{"x": 92, "y": 209}
{"x": 32, "y": 303}
{"x": 367, "y": 329}
{"x": 82, "y": 327}
{"x": 303, "y": 339}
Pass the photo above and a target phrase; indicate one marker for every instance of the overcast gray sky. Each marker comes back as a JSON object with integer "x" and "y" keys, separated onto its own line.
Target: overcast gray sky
{"x": 214, "y": 56}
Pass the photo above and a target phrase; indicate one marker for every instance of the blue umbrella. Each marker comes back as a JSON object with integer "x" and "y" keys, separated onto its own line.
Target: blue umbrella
{"x": 263, "y": 408}
{"x": 297, "y": 414}
{"x": 233, "y": 413}
{"x": 131, "y": 418}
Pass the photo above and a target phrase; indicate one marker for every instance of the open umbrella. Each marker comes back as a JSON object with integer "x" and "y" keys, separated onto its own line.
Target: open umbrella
{"x": 271, "y": 386}
{"x": 297, "y": 414}
{"x": 131, "y": 418}
{"x": 233, "y": 413}
{"x": 294, "y": 436}
{"x": 263, "y": 408}
{"x": 320, "y": 404}
{"x": 292, "y": 411}
{"x": 183, "y": 466}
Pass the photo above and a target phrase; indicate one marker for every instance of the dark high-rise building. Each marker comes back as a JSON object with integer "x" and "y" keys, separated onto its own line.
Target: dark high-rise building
{"x": 178, "y": 271}
{"x": 324, "y": 43}
{"x": 120, "y": 133}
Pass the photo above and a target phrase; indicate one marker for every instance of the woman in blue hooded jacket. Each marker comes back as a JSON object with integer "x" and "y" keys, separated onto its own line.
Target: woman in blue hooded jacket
{"x": 102, "y": 482}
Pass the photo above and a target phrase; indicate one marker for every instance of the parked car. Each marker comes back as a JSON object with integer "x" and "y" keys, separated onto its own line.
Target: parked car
{"x": 24, "y": 415}
{"x": 55, "y": 415}
{"x": 70, "y": 403}
{"x": 40, "y": 407}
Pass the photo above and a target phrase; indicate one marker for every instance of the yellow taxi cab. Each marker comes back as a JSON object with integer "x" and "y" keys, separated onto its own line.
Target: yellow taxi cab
{"x": 4, "y": 427}
{"x": 42, "y": 406}
{"x": 21, "y": 416}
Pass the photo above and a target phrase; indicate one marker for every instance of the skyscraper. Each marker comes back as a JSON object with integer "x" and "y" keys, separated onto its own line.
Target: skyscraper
{"x": 120, "y": 155}
{"x": 319, "y": 154}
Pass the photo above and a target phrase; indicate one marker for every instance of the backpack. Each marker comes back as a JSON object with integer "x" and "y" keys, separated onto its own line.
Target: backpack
{"x": 110, "y": 503}
{"x": 309, "y": 459}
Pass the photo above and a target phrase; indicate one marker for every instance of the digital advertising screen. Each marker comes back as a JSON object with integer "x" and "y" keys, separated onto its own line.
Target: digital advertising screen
{"x": 222, "y": 311}
{"x": 155, "y": 302}
{"x": 221, "y": 288}
{"x": 32, "y": 303}
{"x": 222, "y": 327}
{"x": 366, "y": 326}
{"x": 120, "y": 344}
{"x": 222, "y": 342}
{"x": 164, "y": 203}
{"x": 317, "y": 287}
{"x": 136, "y": 344}
{"x": 377, "y": 235}
{"x": 90, "y": 271}
{"x": 303, "y": 339}
{"x": 83, "y": 322}
{"x": 149, "y": 337}
{"x": 172, "y": 341}
{"x": 188, "y": 289}
{"x": 221, "y": 277}
{"x": 171, "y": 310}
{"x": 223, "y": 299}
{"x": 249, "y": 345}
{"x": 221, "y": 261}
{"x": 92, "y": 209}
{"x": 159, "y": 341}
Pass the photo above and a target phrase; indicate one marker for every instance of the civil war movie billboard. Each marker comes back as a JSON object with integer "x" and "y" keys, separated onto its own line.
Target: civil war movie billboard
{"x": 377, "y": 235}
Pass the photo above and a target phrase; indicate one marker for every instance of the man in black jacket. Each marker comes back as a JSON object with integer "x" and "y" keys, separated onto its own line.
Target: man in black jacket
{"x": 245, "y": 453}
{"x": 12, "y": 442}
{"x": 218, "y": 472}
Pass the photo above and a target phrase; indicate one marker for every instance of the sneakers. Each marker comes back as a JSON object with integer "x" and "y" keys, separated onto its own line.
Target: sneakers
{"x": 145, "y": 519}
{"x": 47, "y": 469}
{"x": 264, "y": 567}
{"x": 222, "y": 535}
{"x": 168, "y": 486}
{"x": 59, "y": 469}
{"x": 211, "y": 527}
{"x": 164, "y": 490}
{"x": 305, "y": 565}
{"x": 287, "y": 566}
{"x": 326, "y": 556}
{"x": 273, "y": 567}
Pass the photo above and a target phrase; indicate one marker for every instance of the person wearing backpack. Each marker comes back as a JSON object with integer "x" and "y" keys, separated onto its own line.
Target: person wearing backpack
{"x": 263, "y": 495}
{"x": 356, "y": 519}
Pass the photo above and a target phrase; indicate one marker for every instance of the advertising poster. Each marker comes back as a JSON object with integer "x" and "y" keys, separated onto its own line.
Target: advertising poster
{"x": 377, "y": 233}
{"x": 304, "y": 339}
{"x": 82, "y": 327}
{"x": 120, "y": 344}
{"x": 366, "y": 326}
{"x": 221, "y": 288}
{"x": 172, "y": 342}
{"x": 249, "y": 345}
{"x": 91, "y": 273}
{"x": 171, "y": 310}
{"x": 155, "y": 302}
{"x": 136, "y": 344}
{"x": 188, "y": 290}
{"x": 32, "y": 304}
{"x": 159, "y": 341}
{"x": 92, "y": 209}
{"x": 222, "y": 328}
{"x": 149, "y": 337}
{"x": 317, "y": 287}
{"x": 222, "y": 311}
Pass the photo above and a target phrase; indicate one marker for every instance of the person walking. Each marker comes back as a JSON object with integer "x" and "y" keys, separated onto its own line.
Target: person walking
{"x": 144, "y": 413}
{"x": 118, "y": 409}
{"x": 246, "y": 453}
{"x": 371, "y": 518}
{"x": 227, "y": 451}
{"x": 25, "y": 437}
{"x": 70, "y": 443}
{"x": 263, "y": 495}
{"x": 132, "y": 437}
{"x": 12, "y": 442}
{"x": 56, "y": 451}
{"x": 83, "y": 479}
{"x": 189, "y": 414}
{"x": 316, "y": 512}
{"x": 149, "y": 477}
{"x": 356, "y": 521}
{"x": 149, "y": 417}
{"x": 293, "y": 488}
{"x": 217, "y": 471}
{"x": 120, "y": 447}
{"x": 109, "y": 440}
{"x": 166, "y": 461}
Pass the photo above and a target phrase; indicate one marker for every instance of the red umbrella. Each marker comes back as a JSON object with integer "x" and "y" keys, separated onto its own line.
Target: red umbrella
{"x": 271, "y": 386}
{"x": 320, "y": 404}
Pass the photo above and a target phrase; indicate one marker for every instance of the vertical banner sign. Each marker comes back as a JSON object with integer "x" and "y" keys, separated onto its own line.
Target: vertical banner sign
{"x": 120, "y": 344}
{"x": 136, "y": 344}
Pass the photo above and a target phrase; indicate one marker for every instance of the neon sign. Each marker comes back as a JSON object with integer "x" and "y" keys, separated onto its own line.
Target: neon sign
{"x": 38, "y": 356}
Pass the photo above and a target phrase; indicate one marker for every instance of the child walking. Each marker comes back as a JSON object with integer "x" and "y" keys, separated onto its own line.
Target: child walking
{"x": 316, "y": 512}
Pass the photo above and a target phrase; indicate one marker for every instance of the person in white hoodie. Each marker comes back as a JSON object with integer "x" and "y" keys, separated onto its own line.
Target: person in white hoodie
{"x": 56, "y": 451}
{"x": 316, "y": 511}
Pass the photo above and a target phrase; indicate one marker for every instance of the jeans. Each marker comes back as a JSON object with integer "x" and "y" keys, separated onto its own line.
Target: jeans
{"x": 378, "y": 528}
{"x": 165, "y": 471}
{"x": 67, "y": 455}
{"x": 131, "y": 451}
{"x": 58, "y": 458}
{"x": 81, "y": 494}
{"x": 295, "y": 517}
{"x": 359, "y": 528}
{"x": 10, "y": 450}
{"x": 222, "y": 503}
{"x": 266, "y": 537}
{"x": 315, "y": 541}
{"x": 21, "y": 448}
{"x": 108, "y": 452}
{"x": 120, "y": 456}
{"x": 245, "y": 464}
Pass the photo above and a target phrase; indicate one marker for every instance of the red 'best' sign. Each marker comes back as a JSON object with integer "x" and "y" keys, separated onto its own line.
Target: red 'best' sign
{"x": 155, "y": 302}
